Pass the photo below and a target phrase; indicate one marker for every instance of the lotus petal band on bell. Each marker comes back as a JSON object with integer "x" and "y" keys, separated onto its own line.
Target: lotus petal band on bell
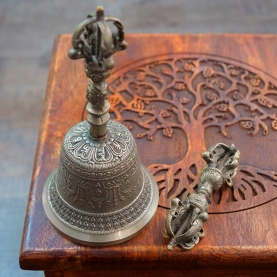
{"x": 100, "y": 194}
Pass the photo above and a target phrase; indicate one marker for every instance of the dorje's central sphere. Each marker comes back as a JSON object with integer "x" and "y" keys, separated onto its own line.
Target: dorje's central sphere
{"x": 100, "y": 194}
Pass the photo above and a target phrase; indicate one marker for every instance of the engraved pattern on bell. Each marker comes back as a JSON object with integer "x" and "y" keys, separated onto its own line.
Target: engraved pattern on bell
{"x": 101, "y": 223}
{"x": 91, "y": 154}
{"x": 99, "y": 176}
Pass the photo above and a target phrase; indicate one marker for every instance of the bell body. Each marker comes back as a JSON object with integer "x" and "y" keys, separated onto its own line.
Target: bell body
{"x": 100, "y": 194}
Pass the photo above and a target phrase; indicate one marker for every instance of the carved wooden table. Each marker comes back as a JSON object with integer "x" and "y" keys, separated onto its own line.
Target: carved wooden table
{"x": 178, "y": 94}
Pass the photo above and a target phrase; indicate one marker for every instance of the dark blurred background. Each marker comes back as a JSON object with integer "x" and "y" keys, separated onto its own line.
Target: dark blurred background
{"x": 27, "y": 32}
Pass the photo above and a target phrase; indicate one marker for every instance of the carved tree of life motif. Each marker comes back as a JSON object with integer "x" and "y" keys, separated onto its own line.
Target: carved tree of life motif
{"x": 193, "y": 94}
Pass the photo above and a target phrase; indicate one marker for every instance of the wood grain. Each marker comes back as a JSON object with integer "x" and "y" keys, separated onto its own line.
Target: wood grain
{"x": 236, "y": 242}
{"x": 158, "y": 272}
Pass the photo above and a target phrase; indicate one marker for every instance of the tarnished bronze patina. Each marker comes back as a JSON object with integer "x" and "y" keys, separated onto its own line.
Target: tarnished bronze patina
{"x": 185, "y": 219}
{"x": 100, "y": 194}
{"x": 93, "y": 41}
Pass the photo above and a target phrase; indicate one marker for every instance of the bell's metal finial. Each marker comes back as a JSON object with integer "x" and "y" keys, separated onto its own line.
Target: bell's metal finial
{"x": 100, "y": 194}
{"x": 93, "y": 41}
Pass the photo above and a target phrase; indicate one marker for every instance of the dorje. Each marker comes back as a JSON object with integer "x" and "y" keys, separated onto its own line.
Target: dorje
{"x": 100, "y": 194}
{"x": 183, "y": 225}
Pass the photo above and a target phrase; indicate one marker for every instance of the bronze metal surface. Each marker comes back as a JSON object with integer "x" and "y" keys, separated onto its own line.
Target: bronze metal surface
{"x": 100, "y": 194}
{"x": 93, "y": 41}
{"x": 185, "y": 219}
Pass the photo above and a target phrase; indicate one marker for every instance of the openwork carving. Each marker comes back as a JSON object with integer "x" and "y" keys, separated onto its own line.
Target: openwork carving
{"x": 192, "y": 93}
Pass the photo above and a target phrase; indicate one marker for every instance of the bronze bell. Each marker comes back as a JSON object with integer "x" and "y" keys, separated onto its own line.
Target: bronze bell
{"x": 100, "y": 194}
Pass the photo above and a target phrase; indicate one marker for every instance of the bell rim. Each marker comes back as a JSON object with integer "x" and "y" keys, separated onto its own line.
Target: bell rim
{"x": 106, "y": 239}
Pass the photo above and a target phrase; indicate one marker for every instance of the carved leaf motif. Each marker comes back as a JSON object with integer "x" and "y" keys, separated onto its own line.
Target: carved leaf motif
{"x": 168, "y": 131}
{"x": 218, "y": 83}
{"x": 184, "y": 100}
{"x": 212, "y": 96}
{"x": 255, "y": 81}
{"x": 208, "y": 72}
{"x": 265, "y": 102}
{"x": 274, "y": 124}
{"x": 247, "y": 124}
{"x": 237, "y": 95}
{"x": 222, "y": 107}
{"x": 188, "y": 67}
{"x": 141, "y": 76}
{"x": 150, "y": 93}
{"x": 138, "y": 105}
{"x": 166, "y": 70}
{"x": 180, "y": 86}
{"x": 163, "y": 113}
{"x": 234, "y": 71}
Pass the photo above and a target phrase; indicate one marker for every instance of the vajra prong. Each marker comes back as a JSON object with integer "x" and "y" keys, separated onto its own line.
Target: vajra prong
{"x": 184, "y": 221}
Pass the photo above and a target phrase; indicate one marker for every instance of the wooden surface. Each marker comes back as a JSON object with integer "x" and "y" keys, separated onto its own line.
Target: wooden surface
{"x": 242, "y": 240}
{"x": 159, "y": 272}
{"x": 28, "y": 31}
